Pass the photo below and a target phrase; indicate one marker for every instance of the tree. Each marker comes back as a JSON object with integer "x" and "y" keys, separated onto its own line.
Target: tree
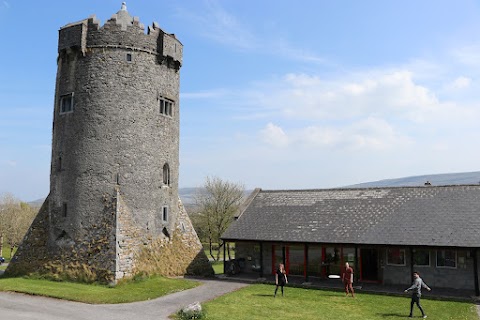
{"x": 218, "y": 202}
{"x": 18, "y": 224}
{"x": 15, "y": 219}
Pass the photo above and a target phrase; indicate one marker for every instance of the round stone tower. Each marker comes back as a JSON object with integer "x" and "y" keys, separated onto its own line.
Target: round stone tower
{"x": 115, "y": 146}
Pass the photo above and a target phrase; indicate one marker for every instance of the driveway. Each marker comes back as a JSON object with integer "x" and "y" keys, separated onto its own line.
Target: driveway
{"x": 15, "y": 306}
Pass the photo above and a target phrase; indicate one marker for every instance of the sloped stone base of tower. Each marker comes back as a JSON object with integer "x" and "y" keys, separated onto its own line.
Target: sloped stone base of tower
{"x": 88, "y": 260}
{"x": 174, "y": 255}
{"x": 111, "y": 249}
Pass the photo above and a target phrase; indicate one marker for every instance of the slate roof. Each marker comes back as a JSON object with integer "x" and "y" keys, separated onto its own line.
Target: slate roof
{"x": 447, "y": 216}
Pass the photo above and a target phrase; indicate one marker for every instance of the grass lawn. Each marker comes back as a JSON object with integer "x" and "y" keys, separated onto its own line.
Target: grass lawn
{"x": 217, "y": 267}
{"x": 257, "y": 302}
{"x": 128, "y": 291}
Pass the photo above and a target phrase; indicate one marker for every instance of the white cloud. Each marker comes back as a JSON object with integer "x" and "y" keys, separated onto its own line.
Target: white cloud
{"x": 217, "y": 24}
{"x": 467, "y": 55}
{"x": 274, "y": 135}
{"x": 461, "y": 83}
{"x": 367, "y": 134}
{"x": 221, "y": 26}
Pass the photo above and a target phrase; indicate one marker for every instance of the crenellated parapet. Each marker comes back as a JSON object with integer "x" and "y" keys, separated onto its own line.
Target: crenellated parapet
{"x": 121, "y": 31}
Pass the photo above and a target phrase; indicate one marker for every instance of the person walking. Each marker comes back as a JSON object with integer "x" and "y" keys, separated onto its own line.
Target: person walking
{"x": 347, "y": 278}
{"x": 416, "y": 289}
{"x": 280, "y": 278}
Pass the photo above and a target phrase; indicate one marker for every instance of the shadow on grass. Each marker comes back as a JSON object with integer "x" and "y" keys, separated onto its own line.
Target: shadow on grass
{"x": 392, "y": 315}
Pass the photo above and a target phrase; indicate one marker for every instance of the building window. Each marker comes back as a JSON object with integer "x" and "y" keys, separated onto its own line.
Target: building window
{"x": 166, "y": 106}
{"x": 60, "y": 164}
{"x": 64, "y": 210}
{"x": 446, "y": 258}
{"x": 164, "y": 214}
{"x": 421, "y": 258}
{"x": 66, "y": 103}
{"x": 128, "y": 57}
{"x": 166, "y": 174}
{"x": 396, "y": 257}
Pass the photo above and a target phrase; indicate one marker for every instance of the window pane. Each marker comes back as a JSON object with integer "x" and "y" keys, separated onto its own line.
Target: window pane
{"x": 396, "y": 257}
{"x": 446, "y": 258}
{"x": 315, "y": 261}
{"x": 332, "y": 261}
{"x": 296, "y": 259}
{"x": 421, "y": 258}
{"x": 66, "y": 104}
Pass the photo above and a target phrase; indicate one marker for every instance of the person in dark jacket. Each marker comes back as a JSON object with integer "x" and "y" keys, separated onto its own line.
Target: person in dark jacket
{"x": 416, "y": 289}
{"x": 280, "y": 278}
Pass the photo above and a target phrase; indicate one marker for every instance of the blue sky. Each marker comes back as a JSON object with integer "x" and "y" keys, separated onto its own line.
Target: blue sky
{"x": 274, "y": 94}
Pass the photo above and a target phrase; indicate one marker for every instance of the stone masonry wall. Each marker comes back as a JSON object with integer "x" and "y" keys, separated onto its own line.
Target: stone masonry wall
{"x": 109, "y": 200}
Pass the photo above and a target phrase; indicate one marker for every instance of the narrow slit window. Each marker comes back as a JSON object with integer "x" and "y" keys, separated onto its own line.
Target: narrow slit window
{"x": 60, "y": 164}
{"x": 166, "y": 174}
{"x": 165, "y": 214}
{"x": 128, "y": 57}
{"x": 65, "y": 208}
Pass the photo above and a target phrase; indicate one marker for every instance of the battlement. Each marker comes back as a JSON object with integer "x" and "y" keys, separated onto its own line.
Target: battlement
{"x": 120, "y": 31}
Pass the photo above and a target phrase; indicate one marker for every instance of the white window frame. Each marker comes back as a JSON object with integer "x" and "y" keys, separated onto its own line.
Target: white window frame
{"x": 166, "y": 106}
{"x": 429, "y": 258}
{"x": 61, "y": 103}
{"x": 446, "y": 267}
{"x": 395, "y": 264}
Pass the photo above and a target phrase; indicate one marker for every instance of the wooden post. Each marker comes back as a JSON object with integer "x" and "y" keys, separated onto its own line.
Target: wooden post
{"x": 411, "y": 263}
{"x": 224, "y": 258}
{"x": 475, "y": 271}
{"x": 306, "y": 262}
{"x": 357, "y": 271}
{"x": 261, "y": 259}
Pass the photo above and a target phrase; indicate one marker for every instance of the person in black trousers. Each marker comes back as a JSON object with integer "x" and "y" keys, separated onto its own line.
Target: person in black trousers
{"x": 280, "y": 278}
{"x": 416, "y": 289}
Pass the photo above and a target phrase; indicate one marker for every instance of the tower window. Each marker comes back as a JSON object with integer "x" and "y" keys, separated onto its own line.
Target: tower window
{"x": 164, "y": 214}
{"x": 166, "y": 174}
{"x": 64, "y": 211}
{"x": 166, "y": 107}
{"x": 60, "y": 164}
{"x": 66, "y": 103}
{"x": 128, "y": 57}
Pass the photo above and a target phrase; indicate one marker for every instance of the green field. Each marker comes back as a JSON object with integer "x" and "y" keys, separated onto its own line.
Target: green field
{"x": 128, "y": 291}
{"x": 257, "y": 302}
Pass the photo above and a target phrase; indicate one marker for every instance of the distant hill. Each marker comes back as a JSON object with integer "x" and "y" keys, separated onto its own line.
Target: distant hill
{"x": 434, "y": 179}
{"x": 188, "y": 194}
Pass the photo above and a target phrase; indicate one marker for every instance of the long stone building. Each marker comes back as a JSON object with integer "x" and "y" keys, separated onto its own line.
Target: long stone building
{"x": 384, "y": 233}
{"x": 113, "y": 209}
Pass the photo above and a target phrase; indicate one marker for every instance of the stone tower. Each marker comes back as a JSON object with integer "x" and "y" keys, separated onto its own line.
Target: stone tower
{"x": 113, "y": 204}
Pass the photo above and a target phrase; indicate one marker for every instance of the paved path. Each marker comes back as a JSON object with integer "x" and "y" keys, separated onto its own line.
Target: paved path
{"x": 16, "y": 306}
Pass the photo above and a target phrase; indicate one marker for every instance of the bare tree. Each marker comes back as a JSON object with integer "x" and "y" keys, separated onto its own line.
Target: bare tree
{"x": 18, "y": 224}
{"x": 7, "y": 209}
{"x": 218, "y": 202}
{"x": 15, "y": 219}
